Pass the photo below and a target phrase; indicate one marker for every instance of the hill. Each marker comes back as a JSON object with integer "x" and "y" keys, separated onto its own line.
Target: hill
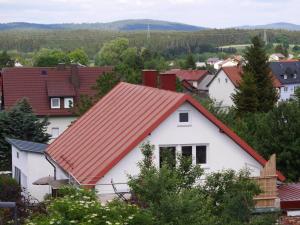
{"x": 274, "y": 26}
{"x": 122, "y": 25}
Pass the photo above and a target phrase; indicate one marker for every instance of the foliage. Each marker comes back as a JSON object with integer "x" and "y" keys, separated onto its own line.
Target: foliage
{"x": 78, "y": 56}
{"x": 10, "y": 189}
{"x": 281, "y": 49}
{"x": 257, "y": 66}
{"x": 20, "y": 122}
{"x": 84, "y": 103}
{"x": 79, "y": 206}
{"x": 245, "y": 99}
{"x": 189, "y": 62}
{"x": 6, "y": 60}
{"x": 105, "y": 83}
{"x": 48, "y": 57}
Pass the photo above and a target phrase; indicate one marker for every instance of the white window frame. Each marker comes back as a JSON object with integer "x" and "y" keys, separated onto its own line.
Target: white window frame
{"x": 67, "y": 104}
{"x": 189, "y": 123}
{"x": 55, "y": 107}
{"x": 285, "y": 76}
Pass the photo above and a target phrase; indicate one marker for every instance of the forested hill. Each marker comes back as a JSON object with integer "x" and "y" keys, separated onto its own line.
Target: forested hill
{"x": 277, "y": 26}
{"x": 122, "y": 25}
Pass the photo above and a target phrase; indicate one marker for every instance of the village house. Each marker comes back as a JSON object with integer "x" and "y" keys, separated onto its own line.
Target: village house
{"x": 288, "y": 73}
{"x": 103, "y": 146}
{"x": 225, "y": 82}
{"x": 51, "y": 91}
{"x": 196, "y": 78}
{"x": 276, "y": 57}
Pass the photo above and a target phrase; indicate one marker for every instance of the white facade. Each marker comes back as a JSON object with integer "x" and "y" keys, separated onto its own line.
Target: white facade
{"x": 221, "y": 89}
{"x": 203, "y": 84}
{"x": 287, "y": 91}
{"x": 222, "y": 152}
{"x": 32, "y": 166}
{"x": 58, "y": 125}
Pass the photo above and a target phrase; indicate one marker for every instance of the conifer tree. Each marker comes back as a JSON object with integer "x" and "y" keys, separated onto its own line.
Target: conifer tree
{"x": 245, "y": 98}
{"x": 257, "y": 65}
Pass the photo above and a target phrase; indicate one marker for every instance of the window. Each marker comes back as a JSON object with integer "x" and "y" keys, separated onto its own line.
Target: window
{"x": 55, "y": 103}
{"x": 295, "y": 76}
{"x": 219, "y": 80}
{"x": 226, "y": 80}
{"x": 187, "y": 152}
{"x": 68, "y": 103}
{"x": 285, "y": 76}
{"x": 167, "y": 155}
{"x": 17, "y": 154}
{"x": 285, "y": 89}
{"x": 200, "y": 154}
{"x": 183, "y": 117}
{"x": 55, "y": 132}
{"x": 17, "y": 175}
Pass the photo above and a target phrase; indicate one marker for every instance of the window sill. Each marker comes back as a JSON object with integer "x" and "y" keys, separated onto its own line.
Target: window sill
{"x": 184, "y": 125}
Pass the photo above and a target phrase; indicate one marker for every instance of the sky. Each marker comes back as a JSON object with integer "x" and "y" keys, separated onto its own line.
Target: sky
{"x": 207, "y": 13}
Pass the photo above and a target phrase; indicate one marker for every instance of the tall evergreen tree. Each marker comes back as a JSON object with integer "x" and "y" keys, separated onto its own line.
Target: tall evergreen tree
{"x": 20, "y": 123}
{"x": 190, "y": 62}
{"x": 245, "y": 98}
{"x": 258, "y": 66}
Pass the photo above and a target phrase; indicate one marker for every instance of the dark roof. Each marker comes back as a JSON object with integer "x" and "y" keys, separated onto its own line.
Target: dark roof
{"x": 27, "y": 146}
{"x": 37, "y": 84}
{"x": 117, "y": 123}
{"x": 288, "y": 68}
{"x": 289, "y": 195}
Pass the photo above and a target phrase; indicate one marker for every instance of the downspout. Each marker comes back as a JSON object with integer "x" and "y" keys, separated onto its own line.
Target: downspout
{"x": 54, "y": 167}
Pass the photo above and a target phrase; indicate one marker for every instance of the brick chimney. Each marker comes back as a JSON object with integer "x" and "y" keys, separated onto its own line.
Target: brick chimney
{"x": 167, "y": 81}
{"x": 150, "y": 78}
{"x": 61, "y": 66}
{"x": 75, "y": 76}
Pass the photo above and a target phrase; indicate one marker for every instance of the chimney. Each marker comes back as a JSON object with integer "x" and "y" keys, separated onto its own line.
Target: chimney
{"x": 150, "y": 78}
{"x": 167, "y": 81}
{"x": 61, "y": 66}
{"x": 75, "y": 76}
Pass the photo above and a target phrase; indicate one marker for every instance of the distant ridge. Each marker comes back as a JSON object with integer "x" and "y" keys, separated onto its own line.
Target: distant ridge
{"x": 122, "y": 25}
{"x": 274, "y": 26}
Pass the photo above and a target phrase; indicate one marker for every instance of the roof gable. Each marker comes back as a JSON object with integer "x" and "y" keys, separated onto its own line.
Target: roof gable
{"x": 116, "y": 125}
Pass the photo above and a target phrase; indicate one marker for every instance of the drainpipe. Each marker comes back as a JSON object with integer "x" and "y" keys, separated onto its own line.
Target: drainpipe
{"x": 54, "y": 167}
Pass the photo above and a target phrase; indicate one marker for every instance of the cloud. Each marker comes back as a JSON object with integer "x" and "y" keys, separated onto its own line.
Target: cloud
{"x": 216, "y": 13}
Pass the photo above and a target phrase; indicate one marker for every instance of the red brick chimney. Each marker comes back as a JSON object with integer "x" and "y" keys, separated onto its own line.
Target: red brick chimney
{"x": 150, "y": 78}
{"x": 167, "y": 81}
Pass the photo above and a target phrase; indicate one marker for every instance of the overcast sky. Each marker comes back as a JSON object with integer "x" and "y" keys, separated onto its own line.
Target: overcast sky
{"x": 208, "y": 13}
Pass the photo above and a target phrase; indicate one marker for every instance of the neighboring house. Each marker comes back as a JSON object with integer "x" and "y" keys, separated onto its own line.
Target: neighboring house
{"x": 103, "y": 146}
{"x": 28, "y": 165}
{"x": 51, "y": 91}
{"x": 197, "y": 78}
{"x": 225, "y": 82}
{"x": 230, "y": 62}
{"x": 288, "y": 73}
{"x": 276, "y": 57}
{"x": 212, "y": 61}
{"x": 200, "y": 65}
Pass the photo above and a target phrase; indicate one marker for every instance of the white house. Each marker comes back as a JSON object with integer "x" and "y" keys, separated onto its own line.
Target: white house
{"x": 51, "y": 91}
{"x": 276, "y": 57}
{"x": 28, "y": 165}
{"x": 104, "y": 144}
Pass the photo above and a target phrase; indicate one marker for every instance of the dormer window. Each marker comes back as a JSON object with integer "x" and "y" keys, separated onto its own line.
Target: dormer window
{"x": 55, "y": 103}
{"x": 285, "y": 76}
{"x": 68, "y": 103}
{"x": 295, "y": 75}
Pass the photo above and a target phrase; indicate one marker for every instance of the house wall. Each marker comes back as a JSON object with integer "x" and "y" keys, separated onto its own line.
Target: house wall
{"x": 222, "y": 152}
{"x": 62, "y": 123}
{"x": 287, "y": 91}
{"x": 33, "y": 166}
{"x": 203, "y": 84}
{"x": 220, "y": 90}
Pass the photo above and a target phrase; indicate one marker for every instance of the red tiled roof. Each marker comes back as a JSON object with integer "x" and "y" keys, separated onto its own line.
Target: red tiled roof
{"x": 189, "y": 75}
{"x": 117, "y": 124}
{"x": 38, "y": 84}
{"x": 289, "y": 195}
{"x": 235, "y": 74}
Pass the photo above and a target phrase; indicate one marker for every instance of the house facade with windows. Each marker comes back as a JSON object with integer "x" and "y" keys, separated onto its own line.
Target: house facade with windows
{"x": 288, "y": 73}
{"x": 104, "y": 145}
{"x": 225, "y": 82}
{"x": 28, "y": 165}
{"x": 51, "y": 91}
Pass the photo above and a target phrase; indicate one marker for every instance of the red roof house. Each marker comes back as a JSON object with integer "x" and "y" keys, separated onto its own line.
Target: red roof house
{"x": 103, "y": 145}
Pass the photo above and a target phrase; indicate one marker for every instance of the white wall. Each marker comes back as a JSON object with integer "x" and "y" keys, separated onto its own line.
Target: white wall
{"x": 33, "y": 166}
{"x": 220, "y": 90}
{"x": 203, "y": 84}
{"x": 222, "y": 152}
{"x": 59, "y": 122}
{"x": 287, "y": 91}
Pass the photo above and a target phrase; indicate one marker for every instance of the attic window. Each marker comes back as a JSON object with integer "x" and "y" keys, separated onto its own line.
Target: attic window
{"x": 285, "y": 76}
{"x": 295, "y": 75}
{"x": 55, "y": 103}
{"x": 183, "y": 117}
{"x": 68, "y": 103}
{"x": 44, "y": 72}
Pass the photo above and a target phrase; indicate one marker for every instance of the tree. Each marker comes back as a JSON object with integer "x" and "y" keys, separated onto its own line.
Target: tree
{"x": 257, "y": 65}
{"x": 190, "y": 62}
{"x": 20, "y": 123}
{"x": 6, "y": 60}
{"x": 245, "y": 97}
{"x": 281, "y": 49}
{"x": 105, "y": 83}
{"x": 46, "y": 57}
{"x": 79, "y": 56}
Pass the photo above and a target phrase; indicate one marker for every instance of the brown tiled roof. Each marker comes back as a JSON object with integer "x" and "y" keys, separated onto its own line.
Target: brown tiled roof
{"x": 37, "y": 84}
{"x": 189, "y": 75}
{"x": 289, "y": 195}
{"x": 116, "y": 124}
